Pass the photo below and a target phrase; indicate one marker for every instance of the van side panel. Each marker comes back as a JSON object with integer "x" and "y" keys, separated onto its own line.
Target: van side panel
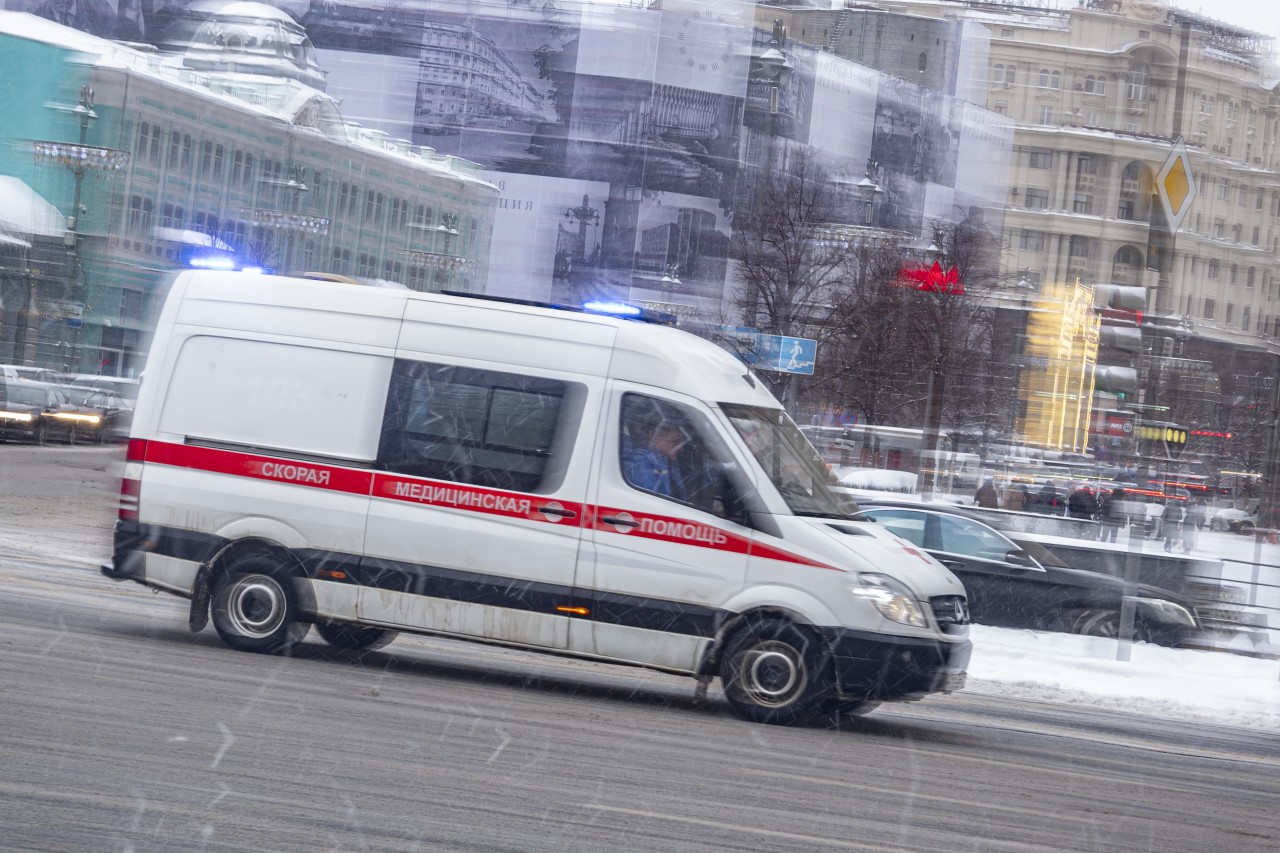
{"x": 266, "y": 394}
{"x": 258, "y": 438}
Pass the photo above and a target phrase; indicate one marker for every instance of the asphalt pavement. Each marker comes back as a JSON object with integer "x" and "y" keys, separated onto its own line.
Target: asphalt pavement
{"x": 123, "y": 731}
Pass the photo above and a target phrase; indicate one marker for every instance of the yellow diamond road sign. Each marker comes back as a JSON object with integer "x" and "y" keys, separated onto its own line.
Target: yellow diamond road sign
{"x": 1176, "y": 185}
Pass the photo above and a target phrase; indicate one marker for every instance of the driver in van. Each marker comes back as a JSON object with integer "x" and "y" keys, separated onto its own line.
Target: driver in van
{"x": 653, "y": 466}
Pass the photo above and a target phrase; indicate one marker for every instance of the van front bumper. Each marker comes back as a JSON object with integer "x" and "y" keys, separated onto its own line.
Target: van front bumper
{"x": 877, "y": 666}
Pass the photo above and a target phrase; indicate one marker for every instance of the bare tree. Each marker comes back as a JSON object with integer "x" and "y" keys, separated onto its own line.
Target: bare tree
{"x": 790, "y": 267}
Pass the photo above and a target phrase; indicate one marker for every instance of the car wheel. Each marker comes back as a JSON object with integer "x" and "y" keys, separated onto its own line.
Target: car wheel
{"x": 255, "y": 608}
{"x": 1246, "y": 528}
{"x": 775, "y": 672}
{"x": 1106, "y": 623}
{"x": 344, "y": 635}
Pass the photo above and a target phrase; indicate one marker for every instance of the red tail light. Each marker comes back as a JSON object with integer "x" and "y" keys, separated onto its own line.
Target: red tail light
{"x": 137, "y": 451}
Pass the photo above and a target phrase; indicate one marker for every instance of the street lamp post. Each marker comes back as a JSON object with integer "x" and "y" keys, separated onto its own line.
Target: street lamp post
{"x": 79, "y": 158}
{"x": 290, "y": 223}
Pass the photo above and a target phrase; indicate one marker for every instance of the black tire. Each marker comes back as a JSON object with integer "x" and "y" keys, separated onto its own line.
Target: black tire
{"x": 357, "y": 638}
{"x": 255, "y": 608}
{"x": 1246, "y": 528}
{"x": 775, "y": 672}
{"x": 1106, "y": 623}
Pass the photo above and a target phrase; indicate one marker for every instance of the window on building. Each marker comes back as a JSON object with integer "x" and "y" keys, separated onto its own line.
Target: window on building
{"x": 393, "y": 271}
{"x": 922, "y": 62}
{"x": 1125, "y": 209}
{"x": 1249, "y": 276}
{"x": 1208, "y": 308}
{"x": 341, "y": 261}
{"x": 366, "y": 264}
{"x": 1037, "y": 199}
{"x": 1043, "y": 80}
{"x": 1089, "y": 83}
{"x": 1219, "y": 228}
{"x": 1138, "y": 72}
{"x": 1144, "y": 34}
{"x": 131, "y": 302}
{"x": 1041, "y": 159}
{"x": 1010, "y": 75}
{"x": 1244, "y": 318}
{"x": 1001, "y": 107}
{"x": 141, "y": 211}
{"x": 1006, "y": 33}
{"x": 219, "y": 154}
{"x": 1091, "y": 118}
{"x": 1257, "y": 235}
{"x": 1212, "y": 269}
{"x": 1258, "y": 199}
{"x": 1046, "y": 114}
{"x": 997, "y": 74}
{"x": 1082, "y": 203}
{"x": 1102, "y": 86}
{"x": 1224, "y": 189}
{"x": 206, "y": 159}
{"x": 172, "y": 216}
{"x": 1235, "y": 232}
{"x": 1234, "y": 275}
{"x": 1228, "y": 315}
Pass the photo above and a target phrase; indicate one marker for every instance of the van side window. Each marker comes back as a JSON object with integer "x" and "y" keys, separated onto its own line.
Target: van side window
{"x": 482, "y": 427}
{"x": 673, "y": 451}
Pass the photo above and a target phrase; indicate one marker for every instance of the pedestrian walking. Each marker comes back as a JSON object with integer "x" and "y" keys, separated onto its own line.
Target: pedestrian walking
{"x": 1111, "y": 515}
{"x": 1171, "y": 522}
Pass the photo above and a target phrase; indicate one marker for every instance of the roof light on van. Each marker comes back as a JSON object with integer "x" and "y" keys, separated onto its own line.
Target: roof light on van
{"x": 255, "y": 270}
{"x": 628, "y": 311}
{"x": 615, "y": 309}
{"x": 212, "y": 262}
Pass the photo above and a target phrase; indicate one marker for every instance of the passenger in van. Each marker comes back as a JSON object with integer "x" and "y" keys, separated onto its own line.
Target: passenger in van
{"x": 654, "y": 466}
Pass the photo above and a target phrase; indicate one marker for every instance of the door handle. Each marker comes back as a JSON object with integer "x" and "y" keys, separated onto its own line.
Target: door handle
{"x": 952, "y": 564}
{"x": 618, "y": 521}
{"x": 557, "y": 511}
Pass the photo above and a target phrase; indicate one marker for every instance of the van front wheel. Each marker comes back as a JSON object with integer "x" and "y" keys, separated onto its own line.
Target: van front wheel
{"x": 255, "y": 609}
{"x": 775, "y": 672}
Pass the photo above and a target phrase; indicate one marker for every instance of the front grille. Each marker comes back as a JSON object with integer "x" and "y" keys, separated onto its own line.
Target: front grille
{"x": 951, "y": 613}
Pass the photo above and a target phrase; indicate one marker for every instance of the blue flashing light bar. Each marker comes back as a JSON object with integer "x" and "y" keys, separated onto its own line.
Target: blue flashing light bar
{"x": 615, "y": 309}
{"x": 212, "y": 262}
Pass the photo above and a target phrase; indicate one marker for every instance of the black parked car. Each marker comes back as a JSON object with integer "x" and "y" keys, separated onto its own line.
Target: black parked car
{"x": 116, "y": 412}
{"x": 40, "y": 412}
{"x": 1014, "y": 582}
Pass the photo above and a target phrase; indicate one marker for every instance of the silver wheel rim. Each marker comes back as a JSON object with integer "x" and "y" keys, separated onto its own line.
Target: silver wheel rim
{"x": 256, "y": 606}
{"x": 772, "y": 674}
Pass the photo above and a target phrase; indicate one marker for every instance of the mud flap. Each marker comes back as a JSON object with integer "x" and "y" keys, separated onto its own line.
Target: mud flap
{"x": 201, "y": 594}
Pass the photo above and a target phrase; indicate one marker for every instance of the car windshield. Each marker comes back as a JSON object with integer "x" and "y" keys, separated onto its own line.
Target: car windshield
{"x": 26, "y": 395}
{"x": 792, "y": 464}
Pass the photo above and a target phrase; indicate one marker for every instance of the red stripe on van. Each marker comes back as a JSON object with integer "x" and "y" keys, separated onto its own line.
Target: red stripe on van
{"x": 273, "y": 468}
{"x": 682, "y": 531}
{"x": 450, "y": 495}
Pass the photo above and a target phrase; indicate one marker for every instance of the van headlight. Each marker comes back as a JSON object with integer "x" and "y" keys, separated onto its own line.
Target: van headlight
{"x": 1171, "y": 611}
{"x": 894, "y": 601}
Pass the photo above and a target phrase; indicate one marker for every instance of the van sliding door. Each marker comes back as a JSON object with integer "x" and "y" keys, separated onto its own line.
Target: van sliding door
{"x": 475, "y": 519}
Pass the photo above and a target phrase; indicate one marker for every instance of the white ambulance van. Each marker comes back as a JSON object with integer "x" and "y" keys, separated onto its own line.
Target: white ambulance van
{"x": 370, "y": 460}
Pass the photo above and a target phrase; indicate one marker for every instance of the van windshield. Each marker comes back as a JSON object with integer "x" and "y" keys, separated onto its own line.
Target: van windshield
{"x": 791, "y": 462}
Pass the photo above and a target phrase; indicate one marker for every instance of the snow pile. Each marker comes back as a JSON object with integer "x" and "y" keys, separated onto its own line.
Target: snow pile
{"x": 1076, "y": 670}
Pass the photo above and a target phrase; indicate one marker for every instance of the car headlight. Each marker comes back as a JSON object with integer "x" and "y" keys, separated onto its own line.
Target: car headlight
{"x": 1171, "y": 611}
{"x": 20, "y": 417}
{"x": 894, "y": 601}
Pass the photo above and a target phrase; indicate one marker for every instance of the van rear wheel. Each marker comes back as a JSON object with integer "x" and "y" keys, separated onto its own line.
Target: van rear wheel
{"x": 255, "y": 608}
{"x": 775, "y": 672}
{"x": 356, "y": 638}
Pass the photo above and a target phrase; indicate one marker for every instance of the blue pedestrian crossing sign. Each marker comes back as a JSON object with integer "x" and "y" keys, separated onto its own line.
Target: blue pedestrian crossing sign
{"x": 785, "y": 354}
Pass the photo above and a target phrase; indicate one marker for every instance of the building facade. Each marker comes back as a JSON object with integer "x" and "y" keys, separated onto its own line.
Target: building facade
{"x": 1100, "y": 94}
{"x": 223, "y": 166}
